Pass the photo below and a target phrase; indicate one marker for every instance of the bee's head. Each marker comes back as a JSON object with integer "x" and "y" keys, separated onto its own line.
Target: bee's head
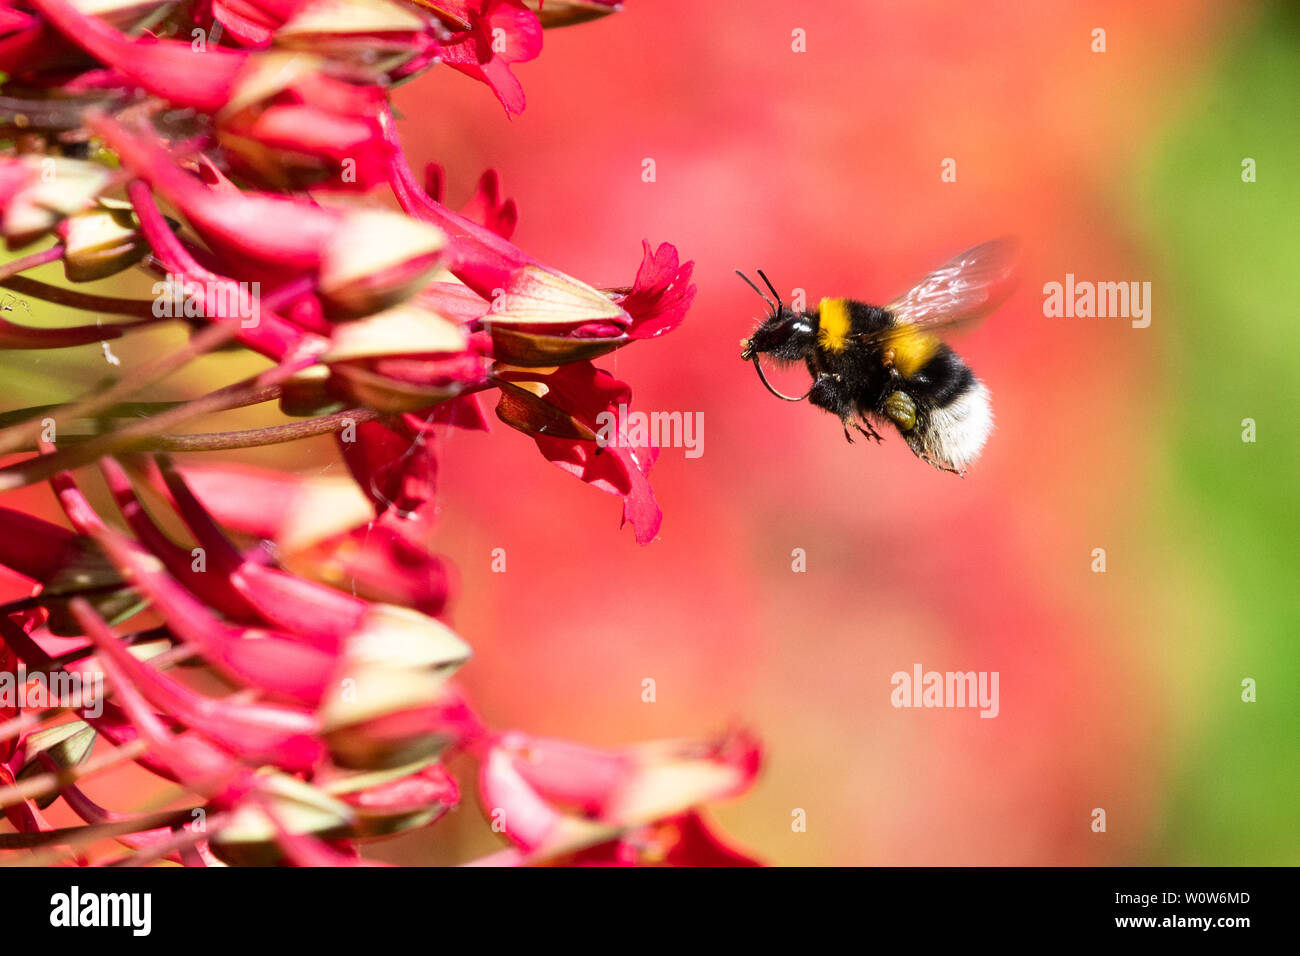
{"x": 785, "y": 335}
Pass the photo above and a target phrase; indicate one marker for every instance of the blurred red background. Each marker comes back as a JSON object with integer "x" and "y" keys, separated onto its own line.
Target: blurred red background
{"x": 823, "y": 168}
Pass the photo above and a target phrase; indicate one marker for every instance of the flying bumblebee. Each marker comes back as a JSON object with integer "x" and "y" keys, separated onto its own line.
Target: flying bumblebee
{"x": 889, "y": 364}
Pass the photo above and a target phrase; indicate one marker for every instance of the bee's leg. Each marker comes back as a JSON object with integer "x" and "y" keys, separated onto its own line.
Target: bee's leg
{"x": 830, "y": 392}
{"x": 865, "y": 427}
{"x": 942, "y": 467}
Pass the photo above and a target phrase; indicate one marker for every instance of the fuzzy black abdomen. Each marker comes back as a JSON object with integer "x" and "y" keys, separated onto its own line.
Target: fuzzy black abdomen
{"x": 940, "y": 381}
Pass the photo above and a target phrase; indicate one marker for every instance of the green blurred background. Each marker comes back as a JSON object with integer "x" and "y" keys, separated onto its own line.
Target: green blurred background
{"x": 1228, "y": 508}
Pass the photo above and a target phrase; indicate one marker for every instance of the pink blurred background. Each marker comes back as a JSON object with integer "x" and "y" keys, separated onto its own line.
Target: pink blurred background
{"x": 823, "y": 168}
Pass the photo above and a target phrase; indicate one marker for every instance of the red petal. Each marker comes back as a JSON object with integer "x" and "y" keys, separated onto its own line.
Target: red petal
{"x": 661, "y": 294}
{"x": 171, "y": 69}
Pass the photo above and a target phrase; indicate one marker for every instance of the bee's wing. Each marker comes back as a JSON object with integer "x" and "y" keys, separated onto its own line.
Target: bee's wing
{"x": 961, "y": 291}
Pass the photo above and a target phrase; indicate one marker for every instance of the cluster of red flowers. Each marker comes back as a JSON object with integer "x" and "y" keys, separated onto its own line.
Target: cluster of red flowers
{"x": 262, "y": 128}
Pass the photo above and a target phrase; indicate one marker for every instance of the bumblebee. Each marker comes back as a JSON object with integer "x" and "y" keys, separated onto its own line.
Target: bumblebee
{"x": 889, "y": 364}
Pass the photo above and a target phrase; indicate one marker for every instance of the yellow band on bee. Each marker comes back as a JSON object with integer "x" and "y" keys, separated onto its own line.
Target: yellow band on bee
{"x": 834, "y": 322}
{"x": 912, "y": 349}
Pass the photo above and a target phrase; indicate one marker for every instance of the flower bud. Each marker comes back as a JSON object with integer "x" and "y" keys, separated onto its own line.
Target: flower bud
{"x": 55, "y": 188}
{"x": 537, "y": 296}
{"x": 531, "y": 349}
{"x": 402, "y": 330}
{"x": 90, "y": 575}
{"x": 66, "y": 745}
{"x": 375, "y": 260}
{"x": 357, "y": 31}
{"x": 403, "y": 359}
{"x": 404, "y": 798}
{"x": 564, "y": 13}
{"x": 249, "y": 838}
{"x": 101, "y": 242}
{"x": 389, "y": 703}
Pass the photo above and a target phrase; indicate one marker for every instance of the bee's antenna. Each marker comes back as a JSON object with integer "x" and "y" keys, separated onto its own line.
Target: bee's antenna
{"x": 768, "y": 283}
{"x": 750, "y": 282}
{"x": 768, "y": 385}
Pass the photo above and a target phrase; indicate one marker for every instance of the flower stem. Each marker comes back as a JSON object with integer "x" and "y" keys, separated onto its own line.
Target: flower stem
{"x": 261, "y": 388}
{"x": 63, "y": 115}
{"x": 254, "y": 437}
{"x": 96, "y": 831}
{"x": 52, "y": 254}
{"x": 121, "y": 410}
{"x": 44, "y": 783}
{"x": 19, "y": 436}
{"x": 73, "y": 299}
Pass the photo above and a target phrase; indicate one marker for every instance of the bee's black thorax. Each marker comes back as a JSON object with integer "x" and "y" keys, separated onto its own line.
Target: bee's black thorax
{"x": 850, "y": 361}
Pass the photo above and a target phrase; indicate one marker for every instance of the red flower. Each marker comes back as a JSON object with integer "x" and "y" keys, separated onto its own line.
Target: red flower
{"x": 557, "y": 799}
{"x": 498, "y": 33}
{"x": 661, "y": 294}
{"x": 312, "y": 598}
{"x": 363, "y": 260}
{"x": 559, "y": 409}
{"x": 172, "y": 69}
{"x": 683, "y": 840}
